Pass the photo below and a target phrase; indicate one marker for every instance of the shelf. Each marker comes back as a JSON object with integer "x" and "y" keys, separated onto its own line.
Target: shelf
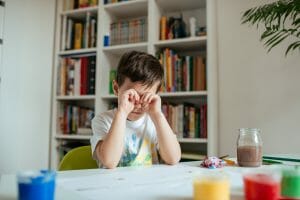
{"x": 74, "y": 98}
{"x": 79, "y": 13}
{"x": 180, "y": 5}
{"x": 183, "y": 94}
{"x": 192, "y": 156}
{"x": 121, "y": 49}
{"x": 109, "y": 97}
{"x": 192, "y": 140}
{"x": 134, "y": 8}
{"x": 189, "y": 43}
{"x": 72, "y": 137}
{"x": 78, "y": 51}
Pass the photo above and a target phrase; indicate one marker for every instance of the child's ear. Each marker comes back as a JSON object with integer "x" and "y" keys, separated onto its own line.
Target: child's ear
{"x": 115, "y": 87}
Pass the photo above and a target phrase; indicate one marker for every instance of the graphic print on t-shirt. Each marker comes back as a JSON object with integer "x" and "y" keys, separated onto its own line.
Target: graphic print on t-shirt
{"x": 138, "y": 151}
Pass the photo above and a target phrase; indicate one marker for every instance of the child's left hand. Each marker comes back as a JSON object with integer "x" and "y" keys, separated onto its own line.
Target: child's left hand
{"x": 151, "y": 103}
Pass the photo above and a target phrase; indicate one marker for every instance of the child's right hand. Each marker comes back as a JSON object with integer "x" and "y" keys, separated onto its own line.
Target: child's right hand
{"x": 127, "y": 100}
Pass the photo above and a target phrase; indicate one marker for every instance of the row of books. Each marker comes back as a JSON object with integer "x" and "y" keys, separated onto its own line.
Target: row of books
{"x": 128, "y": 31}
{"x": 74, "y": 119}
{"x": 76, "y": 4}
{"x": 113, "y": 1}
{"x": 172, "y": 28}
{"x": 78, "y": 34}
{"x": 187, "y": 120}
{"x": 65, "y": 146}
{"x": 76, "y": 76}
{"x": 182, "y": 73}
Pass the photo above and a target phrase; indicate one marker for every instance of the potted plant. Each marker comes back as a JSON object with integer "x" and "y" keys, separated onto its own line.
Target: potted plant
{"x": 281, "y": 20}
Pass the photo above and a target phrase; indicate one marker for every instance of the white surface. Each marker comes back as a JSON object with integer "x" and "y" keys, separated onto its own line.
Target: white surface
{"x": 183, "y": 43}
{"x": 83, "y": 97}
{"x": 136, "y": 8}
{"x": 78, "y": 51}
{"x": 121, "y": 49}
{"x": 80, "y": 12}
{"x": 256, "y": 89}
{"x": 70, "y": 137}
{"x": 179, "y": 5}
{"x": 157, "y": 182}
{"x": 25, "y": 88}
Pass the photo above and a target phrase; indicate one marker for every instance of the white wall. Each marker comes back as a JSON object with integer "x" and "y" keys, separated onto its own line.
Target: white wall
{"x": 25, "y": 90}
{"x": 256, "y": 89}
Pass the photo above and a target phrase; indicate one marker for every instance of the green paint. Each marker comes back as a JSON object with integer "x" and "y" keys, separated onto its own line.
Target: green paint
{"x": 290, "y": 184}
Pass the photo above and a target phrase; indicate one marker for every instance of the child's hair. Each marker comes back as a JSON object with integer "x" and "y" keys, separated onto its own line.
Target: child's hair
{"x": 139, "y": 67}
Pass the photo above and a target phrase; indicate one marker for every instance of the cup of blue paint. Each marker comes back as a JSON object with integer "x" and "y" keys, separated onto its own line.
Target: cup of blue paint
{"x": 36, "y": 185}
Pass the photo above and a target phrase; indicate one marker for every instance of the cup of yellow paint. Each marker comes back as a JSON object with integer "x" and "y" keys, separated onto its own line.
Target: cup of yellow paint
{"x": 213, "y": 186}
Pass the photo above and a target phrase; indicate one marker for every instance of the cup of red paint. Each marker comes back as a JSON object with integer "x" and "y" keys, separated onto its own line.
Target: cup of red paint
{"x": 262, "y": 185}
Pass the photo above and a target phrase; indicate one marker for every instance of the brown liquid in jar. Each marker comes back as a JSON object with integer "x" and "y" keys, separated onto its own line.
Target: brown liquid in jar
{"x": 249, "y": 156}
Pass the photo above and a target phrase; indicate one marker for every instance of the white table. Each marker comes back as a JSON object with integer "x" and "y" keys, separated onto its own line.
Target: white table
{"x": 157, "y": 182}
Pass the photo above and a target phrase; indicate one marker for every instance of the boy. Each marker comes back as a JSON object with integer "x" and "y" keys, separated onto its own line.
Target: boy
{"x": 132, "y": 133}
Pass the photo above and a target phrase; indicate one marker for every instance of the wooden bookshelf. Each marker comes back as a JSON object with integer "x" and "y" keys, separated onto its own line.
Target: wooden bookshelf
{"x": 107, "y": 58}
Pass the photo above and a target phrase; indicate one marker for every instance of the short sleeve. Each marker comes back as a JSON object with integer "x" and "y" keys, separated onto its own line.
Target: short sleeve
{"x": 100, "y": 126}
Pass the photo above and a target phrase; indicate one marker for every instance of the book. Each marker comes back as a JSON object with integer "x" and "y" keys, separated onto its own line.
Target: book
{"x": 74, "y": 119}
{"x": 128, "y": 31}
{"x": 163, "y": 28}
{"x": 92, "y": 75}
{"x": 78, "y": 35}
{"x": 112, "y": 76}
{"x": 69, "y": 34}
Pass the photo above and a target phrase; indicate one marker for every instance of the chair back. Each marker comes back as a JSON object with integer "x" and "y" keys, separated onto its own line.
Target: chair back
{"x": 78, "y": 158}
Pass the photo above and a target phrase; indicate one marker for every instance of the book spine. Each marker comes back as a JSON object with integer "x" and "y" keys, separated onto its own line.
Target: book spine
{"x": 93, "y": 32}
{"x": 191, "y": 122}
{"x": 77, "y": 77}
{"x": 78, "y": 36}
{"x": 92, "y": 76}
{"x": 71, "y": 75}
{"x": 163, "y": 28}
{"x": 112, "y": 76}
{"x": 69, "y": 34}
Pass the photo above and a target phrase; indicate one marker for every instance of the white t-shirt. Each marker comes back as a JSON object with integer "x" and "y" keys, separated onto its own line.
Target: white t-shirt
{"x": 140, "y": 141}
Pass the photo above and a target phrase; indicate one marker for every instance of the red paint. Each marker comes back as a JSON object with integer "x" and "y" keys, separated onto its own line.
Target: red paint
{"x": 261, "y": 187}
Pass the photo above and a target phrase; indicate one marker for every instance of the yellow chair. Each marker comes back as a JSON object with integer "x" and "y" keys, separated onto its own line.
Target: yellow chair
{"x": 78, "y": 158}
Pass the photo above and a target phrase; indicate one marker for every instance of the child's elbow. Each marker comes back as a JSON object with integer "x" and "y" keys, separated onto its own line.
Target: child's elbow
{"x": 173, "y": 161}
{"x": 110, "y": 165}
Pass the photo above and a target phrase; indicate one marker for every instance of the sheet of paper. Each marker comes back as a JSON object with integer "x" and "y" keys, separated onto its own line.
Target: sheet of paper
{"x": 159, "y": 182}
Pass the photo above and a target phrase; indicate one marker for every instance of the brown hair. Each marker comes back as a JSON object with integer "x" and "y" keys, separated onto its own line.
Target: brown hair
{"x": 139, "y": 67}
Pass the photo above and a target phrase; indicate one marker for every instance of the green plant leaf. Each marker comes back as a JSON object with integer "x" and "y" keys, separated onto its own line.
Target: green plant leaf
{"x": 281, "y": 20}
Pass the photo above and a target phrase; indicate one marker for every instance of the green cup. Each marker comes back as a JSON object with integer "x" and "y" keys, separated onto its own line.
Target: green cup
{"x": 290, "y": 183}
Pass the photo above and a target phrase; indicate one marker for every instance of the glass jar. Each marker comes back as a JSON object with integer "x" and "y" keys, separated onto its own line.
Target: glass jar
{"x": 249, "y": 147}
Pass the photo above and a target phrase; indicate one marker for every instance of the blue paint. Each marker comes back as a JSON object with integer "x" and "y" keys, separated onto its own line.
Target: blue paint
{"x": 36, "y": 185}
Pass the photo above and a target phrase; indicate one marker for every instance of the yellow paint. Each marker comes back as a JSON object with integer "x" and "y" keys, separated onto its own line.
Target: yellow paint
{"x": 211, "y": 188}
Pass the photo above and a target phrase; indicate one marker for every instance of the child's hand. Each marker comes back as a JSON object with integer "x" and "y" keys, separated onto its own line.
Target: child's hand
{"x": 127, "y": 99}
{"x": 151, "y": 103}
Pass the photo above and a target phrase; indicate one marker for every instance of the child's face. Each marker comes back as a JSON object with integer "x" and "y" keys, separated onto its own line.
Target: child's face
{"x": 141, "y": 89}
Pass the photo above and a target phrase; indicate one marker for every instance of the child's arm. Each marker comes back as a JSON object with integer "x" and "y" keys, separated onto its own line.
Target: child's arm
{"x": 109, "y": 150}
{"x": 169, "y": 147}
